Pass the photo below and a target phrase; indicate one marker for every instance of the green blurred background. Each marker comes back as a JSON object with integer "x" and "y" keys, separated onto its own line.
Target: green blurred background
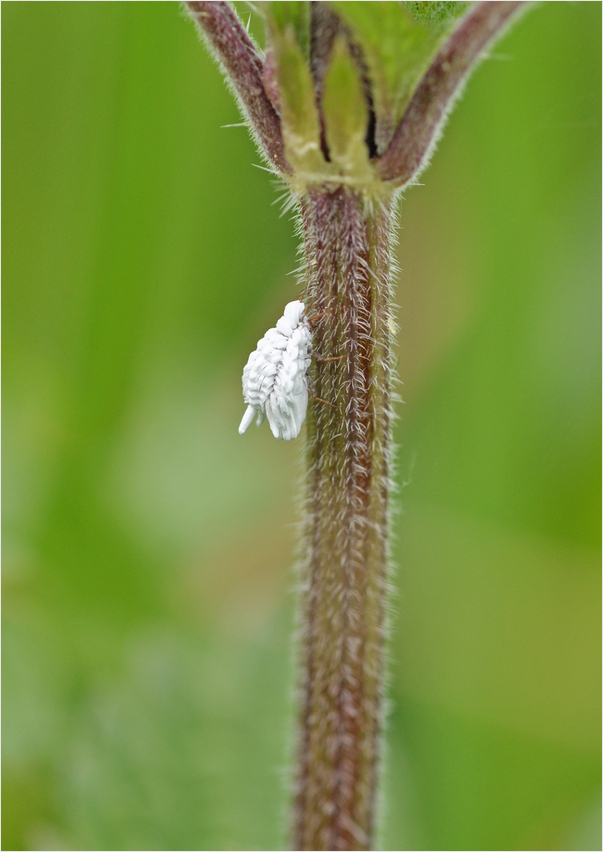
{"x": 148, "y": 604}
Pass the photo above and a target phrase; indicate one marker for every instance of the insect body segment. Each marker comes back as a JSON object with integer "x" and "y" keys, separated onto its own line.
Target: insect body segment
{"x": 275, "y": 377}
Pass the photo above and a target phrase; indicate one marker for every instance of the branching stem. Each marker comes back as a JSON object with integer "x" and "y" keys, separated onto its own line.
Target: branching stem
{"x": 312, "y": 109}
{"x": 420, "y": 127}
{"x": 229, "y": 41}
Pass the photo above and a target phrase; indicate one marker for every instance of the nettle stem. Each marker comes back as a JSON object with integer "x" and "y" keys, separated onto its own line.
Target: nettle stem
{"x": 345, "y": 555}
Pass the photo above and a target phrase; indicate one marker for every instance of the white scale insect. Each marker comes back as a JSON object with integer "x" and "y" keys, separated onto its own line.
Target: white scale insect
{"x": 275, "y": 378}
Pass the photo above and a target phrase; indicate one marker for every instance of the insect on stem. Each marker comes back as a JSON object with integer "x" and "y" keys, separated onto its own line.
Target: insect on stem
{"x": 274, "y": 376}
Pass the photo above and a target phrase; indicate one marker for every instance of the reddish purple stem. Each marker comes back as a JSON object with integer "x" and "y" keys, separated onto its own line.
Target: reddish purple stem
{"x": 423, "y": 119}
{"x": 243, "y": 66}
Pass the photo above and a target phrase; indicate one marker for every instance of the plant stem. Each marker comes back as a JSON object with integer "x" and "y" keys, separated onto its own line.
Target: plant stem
{"x": 228, "y": 40}
{"x": 314, "y": 114}
{"x": 345, "y": 555}
{"x": 422, "y": 123}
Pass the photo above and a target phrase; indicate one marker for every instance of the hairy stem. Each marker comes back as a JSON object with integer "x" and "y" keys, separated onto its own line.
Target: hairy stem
{"x": 422, "y": 122}
{"x": 229, "y": 42}
{"x": 346, "y": 529}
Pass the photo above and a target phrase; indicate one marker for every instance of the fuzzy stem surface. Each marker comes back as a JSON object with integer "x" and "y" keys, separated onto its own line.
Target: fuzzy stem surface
{"x": 422, "y": 122}
{"x": 228, "y": 40}
{"x": 345, "y": 556}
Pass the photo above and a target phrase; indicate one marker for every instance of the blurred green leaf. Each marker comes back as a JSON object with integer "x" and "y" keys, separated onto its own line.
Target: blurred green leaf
{"x": 397, "y": 40}
{"x": 434, "y": 14}
{"x": 295, "y": 14}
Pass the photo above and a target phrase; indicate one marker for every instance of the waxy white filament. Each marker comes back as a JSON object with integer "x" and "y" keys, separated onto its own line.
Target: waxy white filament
{"x": 275, "y": 377}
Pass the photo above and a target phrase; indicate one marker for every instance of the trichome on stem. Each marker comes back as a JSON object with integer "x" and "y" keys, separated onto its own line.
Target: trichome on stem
{"x": 346, "y": 105}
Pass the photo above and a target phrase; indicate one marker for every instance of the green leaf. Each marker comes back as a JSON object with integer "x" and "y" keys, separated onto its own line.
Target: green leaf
{"x": 301, "y": 122}
{"x": 295, "y": 14}
{"x": 345, "y": 112}
{"x": 436, "y": 15}
{"x": 398, "y": 41}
